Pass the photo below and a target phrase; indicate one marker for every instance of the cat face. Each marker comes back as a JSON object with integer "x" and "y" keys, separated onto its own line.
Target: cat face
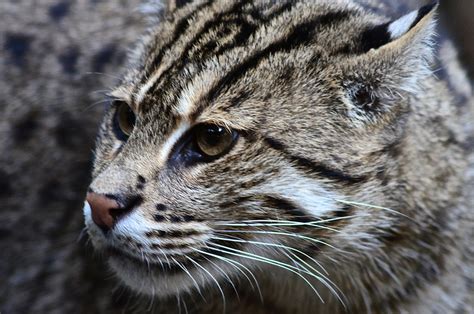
{"x": 247, "y": 134}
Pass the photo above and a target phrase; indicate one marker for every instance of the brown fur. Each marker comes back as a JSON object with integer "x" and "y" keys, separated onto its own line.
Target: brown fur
{"x": 328, "y": 128}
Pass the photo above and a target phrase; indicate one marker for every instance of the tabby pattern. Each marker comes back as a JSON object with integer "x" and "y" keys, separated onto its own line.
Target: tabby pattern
{"x": 302, "y": 155}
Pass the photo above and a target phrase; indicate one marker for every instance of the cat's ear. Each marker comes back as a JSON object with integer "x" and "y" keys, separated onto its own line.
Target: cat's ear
{"x": 415, "y": 25}
{"x": 394, "y": 59}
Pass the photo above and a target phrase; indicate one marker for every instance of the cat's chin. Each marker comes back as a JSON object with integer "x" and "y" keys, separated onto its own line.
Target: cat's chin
{"x": 149, "y": 279}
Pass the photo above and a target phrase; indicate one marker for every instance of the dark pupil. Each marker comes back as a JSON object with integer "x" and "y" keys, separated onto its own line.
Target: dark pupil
{"x": 130, "y": 116}
{"x": 214, "y": 135}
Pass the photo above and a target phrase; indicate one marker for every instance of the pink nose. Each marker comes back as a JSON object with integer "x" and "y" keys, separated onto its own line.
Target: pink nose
{"x": 105, "y": 210}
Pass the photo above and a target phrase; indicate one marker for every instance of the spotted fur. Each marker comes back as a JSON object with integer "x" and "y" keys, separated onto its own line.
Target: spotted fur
{"x": 348, "y": 172}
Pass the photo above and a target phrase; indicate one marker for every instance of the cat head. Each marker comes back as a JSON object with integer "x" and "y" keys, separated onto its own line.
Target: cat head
{"x": 243, "y": 129}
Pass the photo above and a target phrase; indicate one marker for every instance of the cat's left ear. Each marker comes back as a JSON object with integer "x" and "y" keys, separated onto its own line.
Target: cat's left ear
{"x": 393, "y": 59}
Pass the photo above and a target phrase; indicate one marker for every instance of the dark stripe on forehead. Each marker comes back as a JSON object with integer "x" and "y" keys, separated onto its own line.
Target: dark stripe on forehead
{"x": 309, "y": 165}
{"x": 209, "y": 24}
{"x": 278, "y": 11}
{"x": 299, "y": 35}
{"x": 182, "y": 60}
{"x": 179, "y": 30}
{"x": 246, "y": 29}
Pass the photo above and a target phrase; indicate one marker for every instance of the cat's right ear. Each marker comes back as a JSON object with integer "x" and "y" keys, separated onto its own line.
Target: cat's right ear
{"x": 393, "y": 62}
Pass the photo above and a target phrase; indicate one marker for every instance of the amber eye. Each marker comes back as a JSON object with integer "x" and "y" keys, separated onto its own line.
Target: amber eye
{"x": 214, "y": 140}
{"x": 125, "y": 118}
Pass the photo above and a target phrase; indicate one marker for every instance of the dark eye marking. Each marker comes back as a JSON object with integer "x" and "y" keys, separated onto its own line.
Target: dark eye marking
{"x": 161, "y": 207}
{"x": 158, "y": 218}
{"x": 141, "y": 182}
{"x": 344, "y": 211}
{"x": 288, "y": 207}
{"x": 309, "y": 165}
{"x": 188, "y": 218}
{"x": 175, "y": 219}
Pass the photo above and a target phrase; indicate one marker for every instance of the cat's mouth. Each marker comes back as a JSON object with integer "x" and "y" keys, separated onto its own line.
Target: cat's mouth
{"x": 168, "y": 266}
{"x": 151, "y": 277}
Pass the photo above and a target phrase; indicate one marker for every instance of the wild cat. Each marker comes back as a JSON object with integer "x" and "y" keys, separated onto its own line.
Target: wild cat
{"x": 288, "y": 157}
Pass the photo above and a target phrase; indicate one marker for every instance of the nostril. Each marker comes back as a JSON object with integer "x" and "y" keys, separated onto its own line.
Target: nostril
{"x": 130, "y": 203}
{"x": 106, "y": 210}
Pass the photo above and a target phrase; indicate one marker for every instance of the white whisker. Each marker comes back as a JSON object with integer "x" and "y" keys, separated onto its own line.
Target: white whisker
{"x": 325, "y": 280}
{"x": 295, "y": 235}
{"x": 274, "y": 245}
{"x": 185, "y": 306}
{"x": 232, "y": 262}
{"x": 269, "y": 261}
{"x": 189, "y": 274}
{"x": 287, "y": 223}
{"x": 178, "y": 301}
{"x": 373, "y": 206}
{"x": 95, "y": 104}
{"x": 213, "y": 278}
{"x": 219, "y": 269}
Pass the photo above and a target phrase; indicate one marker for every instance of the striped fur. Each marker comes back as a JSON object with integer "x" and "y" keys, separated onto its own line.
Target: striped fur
{"x": 350, "y": 153}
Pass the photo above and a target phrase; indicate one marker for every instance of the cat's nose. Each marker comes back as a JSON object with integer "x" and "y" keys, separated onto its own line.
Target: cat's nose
{"x": 106, "y": 211}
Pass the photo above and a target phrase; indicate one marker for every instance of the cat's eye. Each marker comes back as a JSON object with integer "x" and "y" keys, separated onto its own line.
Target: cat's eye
{"x": 125, "y": 118}
{"x": 203, "y": 143}
{"x": 213, "y": 140}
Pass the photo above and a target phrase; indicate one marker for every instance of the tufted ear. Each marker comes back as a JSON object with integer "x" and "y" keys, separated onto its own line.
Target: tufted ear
{"x": 394, "y": 59}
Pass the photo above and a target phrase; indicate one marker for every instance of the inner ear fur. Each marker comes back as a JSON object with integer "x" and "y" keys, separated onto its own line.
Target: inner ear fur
{"x": 397, "y": 57}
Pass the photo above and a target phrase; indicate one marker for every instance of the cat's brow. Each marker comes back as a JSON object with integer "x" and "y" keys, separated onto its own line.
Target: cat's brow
{"x": 171, "y": 140}
{"x": 186, "y": 103}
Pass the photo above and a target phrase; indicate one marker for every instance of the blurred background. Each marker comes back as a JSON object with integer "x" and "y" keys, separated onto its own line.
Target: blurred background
{"x": 57, "y": 59}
